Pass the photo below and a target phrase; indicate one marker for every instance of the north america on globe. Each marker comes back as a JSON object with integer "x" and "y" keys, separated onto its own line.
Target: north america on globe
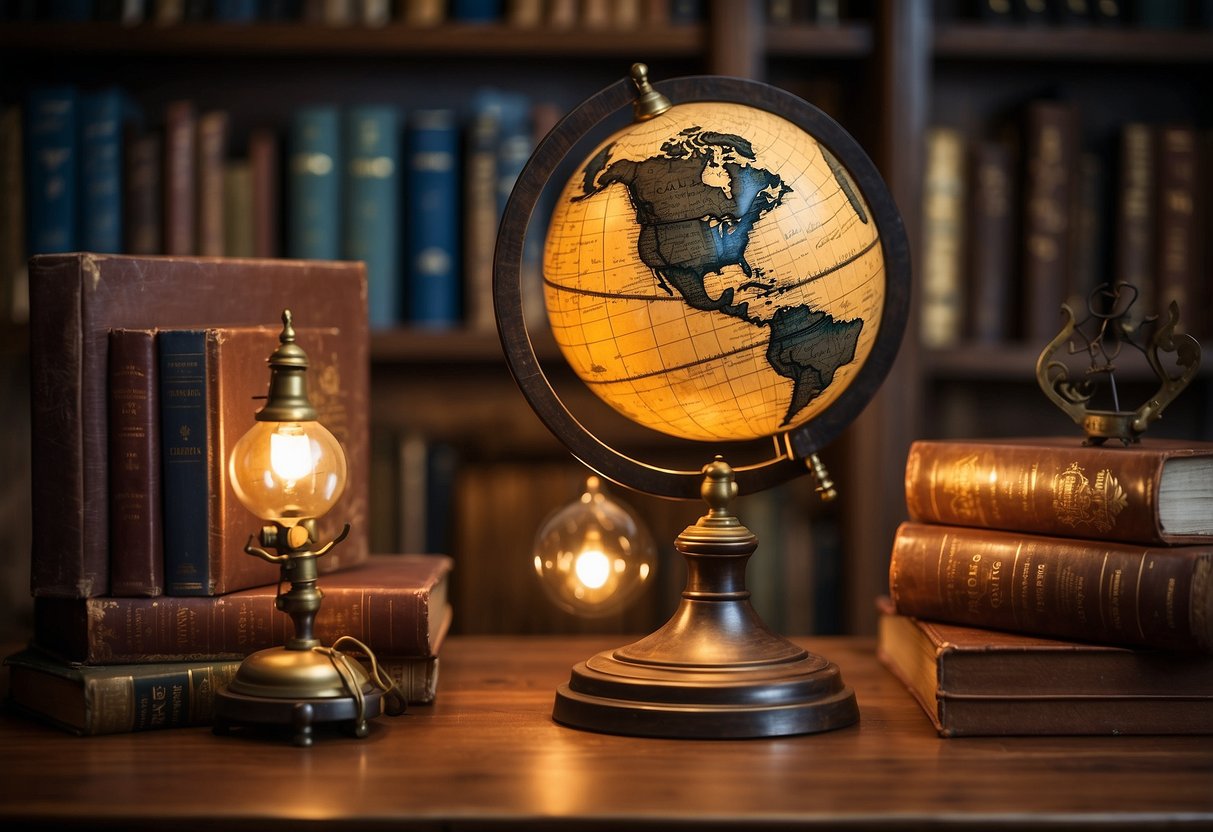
{"x": 696, "y": 204}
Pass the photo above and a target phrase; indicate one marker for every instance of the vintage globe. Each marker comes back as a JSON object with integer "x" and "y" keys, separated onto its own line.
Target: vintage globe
{"x": 727, "y": 266}
{"x": 714, "y": 273}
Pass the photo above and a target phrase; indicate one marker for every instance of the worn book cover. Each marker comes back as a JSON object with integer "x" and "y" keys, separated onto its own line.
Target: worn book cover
{"x": 211, "y": 380}
{"x": 1157, "y": 491}
{"x": 395, "y": 604}
{"x": 1113, "y": 593}
{"x": 977, "y": 682}
{"x": 76, "y": 299}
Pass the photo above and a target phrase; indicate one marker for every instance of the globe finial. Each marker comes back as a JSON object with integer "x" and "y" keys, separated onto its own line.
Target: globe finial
{"x": 649, "y": 102}
{"x": 719, "y": 487}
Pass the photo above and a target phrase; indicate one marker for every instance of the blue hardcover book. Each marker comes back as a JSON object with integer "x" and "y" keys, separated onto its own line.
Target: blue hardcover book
{"x": 314, "y": 185}
{"x": 372, "y": 207}
{"x": 433, "y": 219}
{"x": 103, "y": 117}
{"x": 184, "y": 461}
{"x": 515, "y": 141}
{"x": 476, "y": 11}
{"x": 236, "y": 11}
{"x": 52, "y": 148}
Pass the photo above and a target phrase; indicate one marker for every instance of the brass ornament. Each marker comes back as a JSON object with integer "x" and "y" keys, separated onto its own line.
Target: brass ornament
{"x": 1107, "y": 329}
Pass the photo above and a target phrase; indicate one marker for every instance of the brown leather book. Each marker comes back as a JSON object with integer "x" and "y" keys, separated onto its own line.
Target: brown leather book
{"x": 263, "y": 153}
{"x": 1111, "y": 593}
{"x": 1178, "y": 253}
{"x": 212, "y": 155}
{"x": 76, "y": 299}
{"x": 1049, "y": 203}
{"x": 136, "y": 542}
{"x": 180, "y": 179}
{"x": 975, "y": 682}
{"x": 991, "y": 254}
{"x": 144, "y": 188}
{"x": 1159, "y": 491}
{"x": 395, "y": 604}
{"x": 1135, "y": 207}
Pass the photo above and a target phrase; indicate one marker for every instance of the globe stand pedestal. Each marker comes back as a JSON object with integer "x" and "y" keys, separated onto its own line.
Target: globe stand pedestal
{"x": 714, "y": 670}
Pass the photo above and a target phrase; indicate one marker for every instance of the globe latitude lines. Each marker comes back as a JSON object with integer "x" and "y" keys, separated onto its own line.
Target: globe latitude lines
{"x": 690, "y": 229}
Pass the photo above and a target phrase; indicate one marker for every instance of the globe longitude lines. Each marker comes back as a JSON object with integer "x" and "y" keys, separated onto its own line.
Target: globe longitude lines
{"x": 678, "y": 367}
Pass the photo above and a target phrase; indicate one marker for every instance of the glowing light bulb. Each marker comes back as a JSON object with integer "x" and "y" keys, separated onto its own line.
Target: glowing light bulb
{"x": 593, "y": 556}
{"x": 290, "y": 453}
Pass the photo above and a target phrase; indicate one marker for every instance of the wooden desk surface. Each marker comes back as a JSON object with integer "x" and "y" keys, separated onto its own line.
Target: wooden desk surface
{"x": 488, "y": 755}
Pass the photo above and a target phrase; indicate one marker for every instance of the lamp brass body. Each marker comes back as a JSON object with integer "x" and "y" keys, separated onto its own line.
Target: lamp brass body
{"x": 299, "y": 684}
{"x": 714, "y": 670}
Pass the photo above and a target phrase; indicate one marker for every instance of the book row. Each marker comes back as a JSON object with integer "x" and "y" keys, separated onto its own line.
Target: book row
{"x": 1046, "y": 587}
{"x": 590, "y": 14}
{"x": 417, "y": 196}
{"x": 1146, "y": 14}
{"x": 1015, "y": 227}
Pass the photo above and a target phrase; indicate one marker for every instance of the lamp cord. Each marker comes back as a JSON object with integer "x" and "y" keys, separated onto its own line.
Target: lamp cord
{"x": 394, "y": 702}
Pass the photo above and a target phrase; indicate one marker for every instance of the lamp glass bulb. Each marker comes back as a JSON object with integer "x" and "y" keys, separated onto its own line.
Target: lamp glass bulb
{"x": 288, "y": 471}
{"x": 593, "y": 555}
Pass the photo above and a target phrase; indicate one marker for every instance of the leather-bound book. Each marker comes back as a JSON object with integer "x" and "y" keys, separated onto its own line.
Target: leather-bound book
{"x": 977, "y": 682}
{"x": 991, "y": 255}
{"x": 180, "y": 179}
{"x": 77, "y": 298}
{"x": 1157, "y": 492}
{"x": 1112, "y": 593}
{"x": 398, "y": 605}
{"x": 210, "y": 380}
{"x": 136, "y": 542}
{"x": 1178, "y": 252}
{"x": 212, "y": 155}
{"x": 1135, "y": 210}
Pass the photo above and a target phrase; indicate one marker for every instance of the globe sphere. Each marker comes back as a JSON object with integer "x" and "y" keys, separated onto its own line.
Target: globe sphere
{"x": 713, "y": 273}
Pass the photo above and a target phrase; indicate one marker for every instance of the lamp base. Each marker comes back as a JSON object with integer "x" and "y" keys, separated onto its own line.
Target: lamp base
{"x": 297, "y": 688}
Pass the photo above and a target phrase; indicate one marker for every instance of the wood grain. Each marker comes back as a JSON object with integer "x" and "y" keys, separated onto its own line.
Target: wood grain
{"x": 487, "y": 755}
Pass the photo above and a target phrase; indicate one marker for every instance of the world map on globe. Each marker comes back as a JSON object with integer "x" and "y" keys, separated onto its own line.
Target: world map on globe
{"x": 713, "y": 273}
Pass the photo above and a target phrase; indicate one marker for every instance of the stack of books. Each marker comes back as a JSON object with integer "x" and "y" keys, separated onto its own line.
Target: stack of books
{"x": 1043, "y": 586}
{"x": 145, "y": 372}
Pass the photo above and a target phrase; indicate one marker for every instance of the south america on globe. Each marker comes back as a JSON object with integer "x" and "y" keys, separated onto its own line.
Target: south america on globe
{"x": 713, "y": 274}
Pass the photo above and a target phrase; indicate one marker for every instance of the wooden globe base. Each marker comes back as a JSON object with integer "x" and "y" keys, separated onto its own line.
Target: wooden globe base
{"x": 714, "y": 671}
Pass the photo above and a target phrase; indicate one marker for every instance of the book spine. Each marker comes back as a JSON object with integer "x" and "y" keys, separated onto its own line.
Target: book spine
{"x": 480, "y": 211}
{"x": 1077, "y": 491}
{"x": 180, "y": 187}
{"x": 143, "y": 630}
{"x": 212, "y": 156}
{"x": 991, "y": 251}
{"x": 1089, "y": 590}
{"x": 13, "y": 279}
{"x": 433, "y": 244}
{"x": 101, "y": 117}
{"x": 136, "y": 542}
{"x": 1135, "y": 215}
{"x": 372, "y": 207}
{"x": 238, "y": 226}
{"x": 1051, "y": 163}
{"x": 69, "y": 555}
{"x": 52, "y": 145}
{"x": 416, "y": 679}
{"x": 185, "y": 458}
{"x": 144, "y": 192}
{"x": 1176, "y": 268}
{"x": 144, "y": 699}
{"x": 943, "y": 235}
{"x": 314, "y": 187}
{"x": 267, "y": 187}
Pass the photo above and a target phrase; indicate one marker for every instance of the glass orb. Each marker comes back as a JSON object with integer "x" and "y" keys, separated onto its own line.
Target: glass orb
{"x": 594, "y": 555}
{"x": 288, "y": 471}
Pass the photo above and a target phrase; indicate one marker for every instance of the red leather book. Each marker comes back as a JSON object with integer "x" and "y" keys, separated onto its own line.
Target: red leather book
{"x": 136, "y": 541}
{"x": 77, "y": 298}
{"x": 396, "y": 604}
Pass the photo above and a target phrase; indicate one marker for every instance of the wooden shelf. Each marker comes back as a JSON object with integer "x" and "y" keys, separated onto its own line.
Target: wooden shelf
{"x": 454, "y": 346}
{"x": 303, "y": 39}
{"x": 851, "y": 40}
{"x": 1072, "y": 45}
{"x": 1017, "y": 363}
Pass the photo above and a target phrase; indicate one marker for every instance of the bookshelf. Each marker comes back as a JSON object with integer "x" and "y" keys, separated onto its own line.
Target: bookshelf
{"x": 885, "y": 73}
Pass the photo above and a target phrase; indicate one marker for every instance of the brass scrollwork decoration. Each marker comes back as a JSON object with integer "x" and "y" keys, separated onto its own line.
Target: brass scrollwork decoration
{"x": 1107, "y": 328}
